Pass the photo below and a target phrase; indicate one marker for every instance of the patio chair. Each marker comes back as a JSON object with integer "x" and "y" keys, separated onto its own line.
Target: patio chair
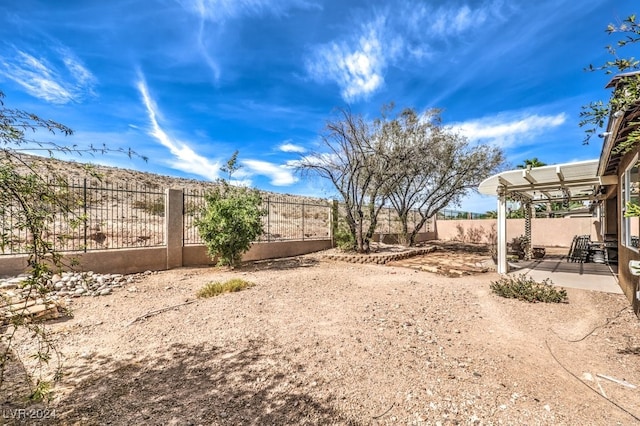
{"x": 579, "y": 251}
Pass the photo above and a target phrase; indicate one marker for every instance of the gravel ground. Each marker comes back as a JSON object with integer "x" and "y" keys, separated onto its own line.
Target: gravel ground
{"x": 320, "y": 342}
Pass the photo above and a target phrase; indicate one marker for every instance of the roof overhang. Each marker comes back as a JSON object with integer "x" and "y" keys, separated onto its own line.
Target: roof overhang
{"x": 619, "y": 125}
{"x": 576, "y": 181}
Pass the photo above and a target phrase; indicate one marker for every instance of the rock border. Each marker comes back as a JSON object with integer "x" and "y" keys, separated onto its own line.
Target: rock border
{"x": 378, "y": 258}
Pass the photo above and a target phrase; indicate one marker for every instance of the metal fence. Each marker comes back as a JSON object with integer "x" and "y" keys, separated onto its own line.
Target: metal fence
{"x": 286, "y": 218}
{"x": 388, "y": 221}
{"x": 92, "y": 215}
{"x": 95, "y": 215}
{"x": 446, "y": 214}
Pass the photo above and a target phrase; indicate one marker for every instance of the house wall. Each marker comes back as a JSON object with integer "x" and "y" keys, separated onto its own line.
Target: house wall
{"x": 628, "y": 282}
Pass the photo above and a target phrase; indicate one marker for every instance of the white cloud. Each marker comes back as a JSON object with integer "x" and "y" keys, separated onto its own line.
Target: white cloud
{"x": 454, "y": 21}
{"x": 357, "y": 66}
{"x": 290, "y": 147}
{"x": 221, "y": 10}
{"x": 357, "y": 61}
{"x": 63, "y": 80}
{"x": 186, "y": 159}
{"x": 280, "y": 175}
{"x": 508, "y": 131}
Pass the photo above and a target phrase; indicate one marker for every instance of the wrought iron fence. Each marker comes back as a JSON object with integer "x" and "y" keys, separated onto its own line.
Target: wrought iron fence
{"x": 92, "y": 215}
{"x": 388, "y": 221}
{"x": 96, "y": 215}
{"x": 446, "y": 214}
{"x": 286, "y": 218}
{"x": 193, "y": 203}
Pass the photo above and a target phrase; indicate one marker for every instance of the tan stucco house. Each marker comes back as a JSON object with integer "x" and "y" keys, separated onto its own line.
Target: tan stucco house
{"x": 615, "y": 198}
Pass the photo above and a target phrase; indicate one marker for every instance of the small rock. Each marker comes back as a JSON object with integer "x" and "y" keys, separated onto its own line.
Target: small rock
{"x": 587, "y": 376}
{"x": 105, "y": 292}
{"x": 8, "y": 286}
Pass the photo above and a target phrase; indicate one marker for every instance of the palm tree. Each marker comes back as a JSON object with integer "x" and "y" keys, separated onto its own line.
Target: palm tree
{"x": 530, "y": 163}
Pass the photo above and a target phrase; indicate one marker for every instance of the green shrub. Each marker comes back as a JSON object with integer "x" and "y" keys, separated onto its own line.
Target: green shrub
{"x": 523, "y": 287}
{"x": 231, "y": 220}
{"x": 344, "y": 239}
{"x": 216, "y": 288}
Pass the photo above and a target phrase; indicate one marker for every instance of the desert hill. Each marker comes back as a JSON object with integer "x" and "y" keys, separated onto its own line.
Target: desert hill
{"x": 150, "y": 181}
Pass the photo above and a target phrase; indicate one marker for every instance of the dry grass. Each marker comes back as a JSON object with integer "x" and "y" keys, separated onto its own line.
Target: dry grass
{"x": 213, "y": 289}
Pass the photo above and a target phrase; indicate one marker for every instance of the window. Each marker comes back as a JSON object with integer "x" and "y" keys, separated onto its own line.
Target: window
{"x": 630, "y": 189}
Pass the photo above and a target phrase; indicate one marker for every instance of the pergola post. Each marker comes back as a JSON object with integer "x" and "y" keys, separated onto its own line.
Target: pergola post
{"x": 528, "y": 252}
{"x": 502, "y": 232}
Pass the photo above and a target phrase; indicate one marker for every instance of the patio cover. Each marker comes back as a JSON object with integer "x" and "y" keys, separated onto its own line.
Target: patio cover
{"x": 576, "y": 181}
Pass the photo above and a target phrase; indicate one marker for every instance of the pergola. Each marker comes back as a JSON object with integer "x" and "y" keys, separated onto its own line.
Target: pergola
{"x": 576, "y": 181}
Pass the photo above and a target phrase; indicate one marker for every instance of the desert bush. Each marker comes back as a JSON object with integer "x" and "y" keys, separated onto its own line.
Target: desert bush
{"x": 474, "y": 235}
{"x": 343, "y": 238}
{"x": 36, "y": 197}
{"x": 213, "y": 289}
{"x": 155, "y": 207}
{"x": 230, "y": 222}
{"x": 526, "y": 288}
{"x": 231, "y": 218}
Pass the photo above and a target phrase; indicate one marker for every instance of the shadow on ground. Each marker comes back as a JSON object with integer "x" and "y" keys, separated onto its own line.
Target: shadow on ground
{"x": 279, "y": 264}
{"x": 195, "y": 385}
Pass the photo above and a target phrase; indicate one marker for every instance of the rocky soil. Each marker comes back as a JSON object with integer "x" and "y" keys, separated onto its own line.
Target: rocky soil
{"x": 327, "y": 342}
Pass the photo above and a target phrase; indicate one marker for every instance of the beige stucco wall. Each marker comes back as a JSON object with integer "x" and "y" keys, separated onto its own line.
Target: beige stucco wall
{"x": 628, "y": 282}
{"x": 125, "y": 261}
{"x": 544, "y": 231}
{"x": 394, "y": 238}
{"x": 197, "y": 255}
{"x": 129, "y": 261}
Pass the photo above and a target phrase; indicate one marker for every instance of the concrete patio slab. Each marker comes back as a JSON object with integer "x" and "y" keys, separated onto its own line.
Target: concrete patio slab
{"x": 585, "y": 276}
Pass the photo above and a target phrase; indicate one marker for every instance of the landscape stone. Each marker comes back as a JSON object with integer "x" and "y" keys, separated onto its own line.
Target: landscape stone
{"x": 72, "y": 284}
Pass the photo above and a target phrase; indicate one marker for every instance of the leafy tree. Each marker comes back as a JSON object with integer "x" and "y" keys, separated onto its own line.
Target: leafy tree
{"x": 491, "y": 214}
{"x": 27, "y": 194}
{"x": 432, "y": 166}
{"x": 627, "y": 93}
{"x": 231, "y": 219}
{"x": 359, "y": 166}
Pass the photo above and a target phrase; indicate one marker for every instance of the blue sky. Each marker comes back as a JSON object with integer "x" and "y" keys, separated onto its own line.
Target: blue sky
{"x": 187, "y": 82}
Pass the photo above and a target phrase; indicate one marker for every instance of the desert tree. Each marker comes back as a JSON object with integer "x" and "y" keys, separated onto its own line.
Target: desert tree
{"x": 355, "y": 160}
{"x": 435, "y": 167}
{"x": 594, "y": 115}
{"x": 33, "y": 194}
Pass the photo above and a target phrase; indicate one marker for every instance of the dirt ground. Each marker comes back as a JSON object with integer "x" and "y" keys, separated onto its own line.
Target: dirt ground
{"x": 326, "y": 342}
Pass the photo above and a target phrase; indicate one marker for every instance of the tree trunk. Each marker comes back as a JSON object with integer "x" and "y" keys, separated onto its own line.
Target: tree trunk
{"x": 414, "y": 233}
